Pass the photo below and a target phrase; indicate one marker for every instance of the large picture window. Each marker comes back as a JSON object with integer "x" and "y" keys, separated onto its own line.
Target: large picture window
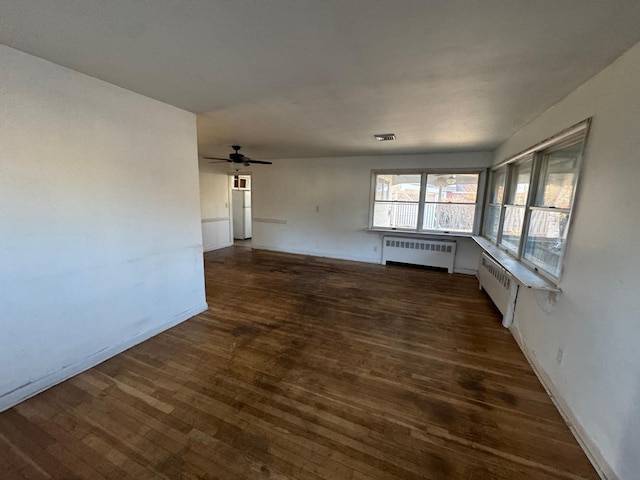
{"x": 426, "y": 201}
{"x": 531, "y": 199}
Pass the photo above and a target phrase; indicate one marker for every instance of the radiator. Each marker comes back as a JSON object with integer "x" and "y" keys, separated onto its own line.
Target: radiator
{"x": 430, "y": 253}
{"x": 500, "y": 285}
{"x": 496, "y": 281}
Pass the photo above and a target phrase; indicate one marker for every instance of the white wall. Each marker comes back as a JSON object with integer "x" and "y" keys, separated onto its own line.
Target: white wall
{"x": 320, "y": 206}
{"x": 597, "y": 317}
{"x": 100, "y": 243}
{"x": 215, "y": 208}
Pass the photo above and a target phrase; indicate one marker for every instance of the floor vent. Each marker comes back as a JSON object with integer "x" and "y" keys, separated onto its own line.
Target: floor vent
{"x": 429, "y": 253}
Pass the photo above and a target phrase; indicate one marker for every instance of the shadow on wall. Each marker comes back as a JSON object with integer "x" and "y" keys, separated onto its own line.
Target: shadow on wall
{"x": 628, "y": 461}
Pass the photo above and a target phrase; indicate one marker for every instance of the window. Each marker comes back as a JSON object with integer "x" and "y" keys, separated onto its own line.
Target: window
{"x": 397, "y": 201}
{"x": 530, "y": 202}
{"x": 242, "y": 182}
{"x": 514, "y": 208}
{"x": 550, "y": 212}
{"x": 426, "y": 201}
{"x": 494, "y": 205}
{"x": 450, "y": 202}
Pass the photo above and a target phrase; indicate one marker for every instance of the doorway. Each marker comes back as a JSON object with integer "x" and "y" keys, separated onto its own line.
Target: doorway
{"x": 241, "y": 216}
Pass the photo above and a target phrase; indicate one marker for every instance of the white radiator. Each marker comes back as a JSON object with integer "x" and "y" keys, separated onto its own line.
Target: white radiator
{"x": 430, "y": 253}
{"x": 496, "y": 281}
{"x": 500, "y": 285}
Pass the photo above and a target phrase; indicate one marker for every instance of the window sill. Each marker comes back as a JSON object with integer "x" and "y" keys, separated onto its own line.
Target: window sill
{"x": 411, "y": 233}
{"x": 522, "y": 274}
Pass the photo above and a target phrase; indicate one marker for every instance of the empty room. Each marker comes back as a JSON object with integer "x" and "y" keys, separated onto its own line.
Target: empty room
{"x": 319, "y": 240}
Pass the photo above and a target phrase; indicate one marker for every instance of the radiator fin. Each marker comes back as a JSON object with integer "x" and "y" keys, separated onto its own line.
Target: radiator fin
{"x": 423, "y": 245}
{"x": 428, "y": 252}
{"x": 496, "y": 281}
{"x": 498, "y": 272}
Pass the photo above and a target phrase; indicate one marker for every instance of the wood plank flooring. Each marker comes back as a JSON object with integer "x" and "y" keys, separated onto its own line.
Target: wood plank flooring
{"x": 305, "y": 368}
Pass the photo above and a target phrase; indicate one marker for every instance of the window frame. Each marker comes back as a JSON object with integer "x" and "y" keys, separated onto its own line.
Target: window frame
{"x": 491, "y": 204}
{"x": 509, "y": 184}
{"x": 400, "y": 202}
{"x": 540, "y": 153}
{"x": 424, "y": 173}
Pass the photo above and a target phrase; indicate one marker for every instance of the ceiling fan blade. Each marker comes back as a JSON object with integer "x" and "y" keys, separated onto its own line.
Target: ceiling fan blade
{"x": 237, "y": 157}
{"x": 248, "y": 160}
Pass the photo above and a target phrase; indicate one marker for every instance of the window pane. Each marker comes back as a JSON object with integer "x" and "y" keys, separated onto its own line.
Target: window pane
{"x": 448, "y": 217}
{"x": 512, "y": 227}
{"x": 559, "y": 177}
{"x": 399, "y": 188}
{"x": 520, "y": 183}
{"x": 395, "y": 215}
{"x": 497, "y": 186}
{"x": 454, "y": 188}
{"x": 546, "y": 239}
{"x": 492, "y": 222}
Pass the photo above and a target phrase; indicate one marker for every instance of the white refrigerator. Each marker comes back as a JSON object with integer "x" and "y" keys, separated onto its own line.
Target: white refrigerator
{"x": 241, "y": 214}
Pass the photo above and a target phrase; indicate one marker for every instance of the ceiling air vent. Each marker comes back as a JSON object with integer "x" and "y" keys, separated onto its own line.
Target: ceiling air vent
{"x": 382, "y": 137}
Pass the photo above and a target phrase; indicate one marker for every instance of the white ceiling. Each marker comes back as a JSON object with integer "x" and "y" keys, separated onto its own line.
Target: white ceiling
{"x": 291, "y": 78}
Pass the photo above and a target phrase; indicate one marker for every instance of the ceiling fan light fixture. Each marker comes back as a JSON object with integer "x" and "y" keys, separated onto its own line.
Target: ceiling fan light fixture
{"x": 384, "y": 137}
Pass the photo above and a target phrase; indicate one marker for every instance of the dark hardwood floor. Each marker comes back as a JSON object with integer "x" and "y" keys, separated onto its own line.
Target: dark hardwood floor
{"x": 305, "y": 368}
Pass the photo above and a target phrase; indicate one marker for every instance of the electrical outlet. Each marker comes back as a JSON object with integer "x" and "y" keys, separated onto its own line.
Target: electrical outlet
{"x": 559, "y": 356}
{"x": 317, "y": 208}
{"x": 375, "y": 248}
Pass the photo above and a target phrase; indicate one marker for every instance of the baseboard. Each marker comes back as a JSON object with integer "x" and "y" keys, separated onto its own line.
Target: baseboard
{"x": 31, "y": 389}
{"x": 217, "y": 247}
{"x": 592, "y": 451}
{"x": 319, "y": 254}
{"x": 465, "y": 271}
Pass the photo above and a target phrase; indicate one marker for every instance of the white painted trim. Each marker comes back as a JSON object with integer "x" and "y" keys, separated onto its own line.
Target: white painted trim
{"x": 377, "y": 260}
{"x": 31, "y": 389}
{"x": 578, "y": 128}
{"x": 424, "y": 234}
{"x": 218, "y": 247}
{"x": 587, "y": 444}
{"x": 482, "y": 173}
{"x": 507, "y": 319}
{"x": 319, "y": 254}
{"x": 465, "y": 271}
{"x": 515, "y": 267}
{"x": 270, "y": 220}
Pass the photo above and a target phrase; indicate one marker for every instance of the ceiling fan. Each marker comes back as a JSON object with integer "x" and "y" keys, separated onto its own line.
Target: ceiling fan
{"x": 236, "y": 157}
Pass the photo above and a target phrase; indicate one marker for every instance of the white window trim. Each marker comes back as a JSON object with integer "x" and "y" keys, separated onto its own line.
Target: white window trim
{"x": 525, "y": 207}
{"x": 423, "y": 172}
{"x": 574, "y": 134}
